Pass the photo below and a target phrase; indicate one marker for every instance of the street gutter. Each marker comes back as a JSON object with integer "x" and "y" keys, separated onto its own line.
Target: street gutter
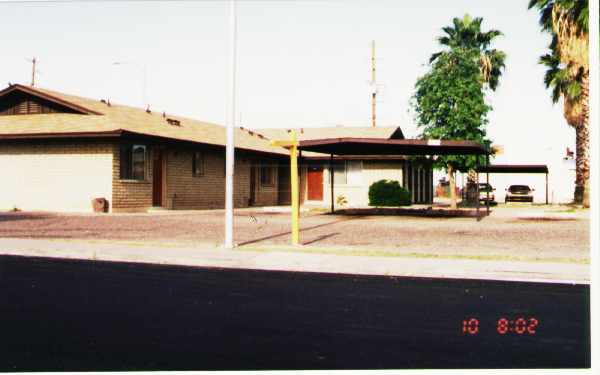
{"x": 205, "y": 255}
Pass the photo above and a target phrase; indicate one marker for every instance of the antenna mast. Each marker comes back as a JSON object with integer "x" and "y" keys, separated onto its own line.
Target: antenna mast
{"x": 33, "y": 61}
{"x": 373, "y": 85}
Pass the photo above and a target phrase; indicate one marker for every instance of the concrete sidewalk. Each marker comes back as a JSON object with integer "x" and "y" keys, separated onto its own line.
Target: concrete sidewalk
{"x": 208, "y": 256}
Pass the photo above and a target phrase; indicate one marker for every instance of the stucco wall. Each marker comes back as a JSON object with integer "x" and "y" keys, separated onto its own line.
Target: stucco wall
{"x": 359, "y": 176}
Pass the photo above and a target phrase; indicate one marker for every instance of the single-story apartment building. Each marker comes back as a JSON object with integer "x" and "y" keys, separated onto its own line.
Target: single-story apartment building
{"x": 58, "y": 152}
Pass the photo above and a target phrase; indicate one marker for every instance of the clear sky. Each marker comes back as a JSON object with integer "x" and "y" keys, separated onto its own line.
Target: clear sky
{"x": 300, "y": 63}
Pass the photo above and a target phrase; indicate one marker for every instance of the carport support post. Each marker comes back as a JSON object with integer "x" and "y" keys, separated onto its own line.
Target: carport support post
{"x": 295, "y": 188}
{"x": 477, "y": 185}
{"x": 487, "y": 180}
{"x": 293, "y": 145}
{"x": 331, "y": 179}
{"x": 546, "y": 187}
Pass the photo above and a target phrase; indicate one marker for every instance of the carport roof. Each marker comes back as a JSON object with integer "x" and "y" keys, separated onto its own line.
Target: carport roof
{"x": 514, "y": 168}
{"x": 378, "y": 146}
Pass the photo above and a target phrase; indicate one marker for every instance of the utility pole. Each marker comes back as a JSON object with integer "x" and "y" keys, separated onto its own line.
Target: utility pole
{"x": 229, "y": 150}
{"x": 373, "y": 85}
{"x": 33, "y": 61}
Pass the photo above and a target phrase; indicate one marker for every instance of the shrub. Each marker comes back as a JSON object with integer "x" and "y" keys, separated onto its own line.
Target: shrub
{"x": 388, "y": 193}
{"x": 341, "y": 200}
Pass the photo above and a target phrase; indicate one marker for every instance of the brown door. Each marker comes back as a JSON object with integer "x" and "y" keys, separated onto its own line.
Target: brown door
{"x": 252, "y": 199}
{"x": 284, "y": 185}
{"x": 315, "y": 183}
{"x": 157, "y": 178}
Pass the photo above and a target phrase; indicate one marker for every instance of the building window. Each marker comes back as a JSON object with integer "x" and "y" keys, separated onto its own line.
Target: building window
{"x": 354, "y": 172}
{"x": 133, "y": 162}
{"x": 267, "y": 175}
{"x": 339, "y": 173}
{"x": 198, "y": 164}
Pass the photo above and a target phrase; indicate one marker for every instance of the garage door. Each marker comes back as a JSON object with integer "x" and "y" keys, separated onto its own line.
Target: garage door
{"x": 51, "y": 180}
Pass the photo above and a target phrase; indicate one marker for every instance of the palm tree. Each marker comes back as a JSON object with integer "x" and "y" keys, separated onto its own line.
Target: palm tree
{"x": 568, "y": 74}
{"x": 466, "y": 33}
{"x": 564, "y": 85}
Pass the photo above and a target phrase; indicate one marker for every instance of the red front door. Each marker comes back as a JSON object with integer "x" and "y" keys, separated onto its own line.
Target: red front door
{"x": 315, "y": 183}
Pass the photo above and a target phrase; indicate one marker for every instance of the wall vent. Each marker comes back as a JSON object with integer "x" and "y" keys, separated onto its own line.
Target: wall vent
{"x": 174, "y": 122}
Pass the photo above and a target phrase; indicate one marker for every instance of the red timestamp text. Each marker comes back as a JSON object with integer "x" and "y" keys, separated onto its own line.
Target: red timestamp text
{"x": 518, "y": 325}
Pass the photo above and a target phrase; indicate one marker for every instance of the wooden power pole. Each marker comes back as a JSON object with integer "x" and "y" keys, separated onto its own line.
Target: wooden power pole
{"x": 373, "y": 85}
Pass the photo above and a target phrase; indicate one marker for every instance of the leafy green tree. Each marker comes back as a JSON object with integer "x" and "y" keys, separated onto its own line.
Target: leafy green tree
{"x": 449, "y": 104}
{"x": 568, "y": 74}
{"x": 466, "y": 33}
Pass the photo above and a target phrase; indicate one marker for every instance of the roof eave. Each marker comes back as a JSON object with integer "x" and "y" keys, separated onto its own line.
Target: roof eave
{"x": 52, "y": 98}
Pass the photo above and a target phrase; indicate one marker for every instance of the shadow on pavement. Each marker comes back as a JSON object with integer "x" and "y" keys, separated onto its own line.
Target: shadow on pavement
{"x": 418, "y": 212}
{"x": 14, "y": 216}
{"x": 301, "y": 230}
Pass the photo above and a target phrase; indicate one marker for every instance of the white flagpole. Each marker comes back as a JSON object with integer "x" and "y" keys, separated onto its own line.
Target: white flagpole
{"x": 229, "y": 154}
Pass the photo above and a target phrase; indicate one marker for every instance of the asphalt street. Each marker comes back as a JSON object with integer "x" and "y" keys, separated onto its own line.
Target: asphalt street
{"x": 75, "y": 315}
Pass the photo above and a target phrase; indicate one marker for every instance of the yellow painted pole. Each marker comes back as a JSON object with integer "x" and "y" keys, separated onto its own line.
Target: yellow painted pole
{"x": 295, "y": 188}
{"x": 293, "y": 145}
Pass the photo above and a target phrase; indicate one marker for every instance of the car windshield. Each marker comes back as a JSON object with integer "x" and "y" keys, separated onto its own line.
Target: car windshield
{"x": 485, "y": 187}
{"x": 515, "y": 188}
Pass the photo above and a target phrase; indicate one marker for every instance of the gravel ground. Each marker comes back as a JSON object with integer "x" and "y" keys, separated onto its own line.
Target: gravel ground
{"x": 513, "y": 232}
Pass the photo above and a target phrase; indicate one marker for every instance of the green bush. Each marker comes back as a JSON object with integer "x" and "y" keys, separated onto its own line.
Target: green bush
{"x": 388, "y": 193}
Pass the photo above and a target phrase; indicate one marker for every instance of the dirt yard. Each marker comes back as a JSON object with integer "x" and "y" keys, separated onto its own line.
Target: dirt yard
{"x": 509, "y": 233}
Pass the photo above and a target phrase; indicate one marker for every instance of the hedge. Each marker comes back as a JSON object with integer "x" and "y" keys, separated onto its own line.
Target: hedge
{"x": 388, "y": 193}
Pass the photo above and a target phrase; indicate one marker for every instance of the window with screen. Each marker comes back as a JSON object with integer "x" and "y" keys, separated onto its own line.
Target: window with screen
{"x": 267, "y": 177}
{"x": 133, "y": 162}
{"x": 354, "y": 172}
{"x": 339, "y": 173}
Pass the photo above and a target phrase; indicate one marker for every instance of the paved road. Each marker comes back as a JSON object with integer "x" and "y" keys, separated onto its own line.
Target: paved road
{"x": 82, "y": 315}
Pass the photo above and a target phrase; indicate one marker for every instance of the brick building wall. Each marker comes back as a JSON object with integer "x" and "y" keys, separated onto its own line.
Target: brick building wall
{"x": 206, "y": 191}
{"x": 182, "y": 190}
{"x": 66, "y": 176}
{"x": 55, "y": 176}
{"x": 130, "y": 195}
{"x": 266, "y": 194}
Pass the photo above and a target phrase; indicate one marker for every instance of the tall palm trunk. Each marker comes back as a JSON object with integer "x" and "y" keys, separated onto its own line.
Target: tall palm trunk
{"x": 582, "y": 144}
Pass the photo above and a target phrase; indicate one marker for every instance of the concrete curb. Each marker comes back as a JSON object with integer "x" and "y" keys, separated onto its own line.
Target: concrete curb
{"x": 207, "y": 256}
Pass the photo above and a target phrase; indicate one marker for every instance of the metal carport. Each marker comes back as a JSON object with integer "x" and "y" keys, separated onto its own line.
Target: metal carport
{"x": 516, "y": 168}
{"x": 369, "y": 146}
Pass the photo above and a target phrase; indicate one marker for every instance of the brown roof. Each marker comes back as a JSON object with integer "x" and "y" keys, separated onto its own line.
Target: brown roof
{"x": 102, "y": 118}
{"x": 304, "y": 134}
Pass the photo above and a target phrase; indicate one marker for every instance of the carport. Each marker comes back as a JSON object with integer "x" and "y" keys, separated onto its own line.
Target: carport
{"x": 371, "y": 146}
{"x": 516, "y": 168}
{"x": 388, "y": 147}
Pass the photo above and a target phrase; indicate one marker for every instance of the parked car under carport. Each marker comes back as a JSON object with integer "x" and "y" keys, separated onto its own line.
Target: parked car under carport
{"x": 519, "y": 193}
